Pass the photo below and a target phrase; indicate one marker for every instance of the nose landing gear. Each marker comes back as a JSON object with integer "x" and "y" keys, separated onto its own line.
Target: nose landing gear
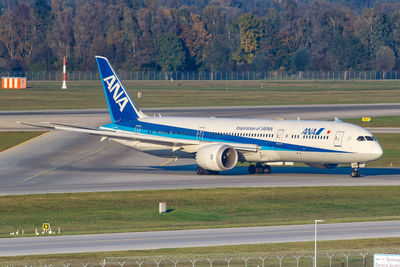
{"x": 355, "y": 172}
{"x": 355, "y": 169}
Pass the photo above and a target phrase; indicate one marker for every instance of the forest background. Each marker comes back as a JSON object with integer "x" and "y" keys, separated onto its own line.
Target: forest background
{"x": 201, "y": 35}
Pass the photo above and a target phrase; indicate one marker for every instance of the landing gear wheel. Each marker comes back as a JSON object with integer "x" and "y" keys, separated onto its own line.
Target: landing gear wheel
{"x": 267, "y": 169}
{"x": 259, "y": 168}
{"x": 252, "y": 169}
{"x": 355, "y": 169}
{"x": 200, "y": 171}
{"x": 355, "y": 173}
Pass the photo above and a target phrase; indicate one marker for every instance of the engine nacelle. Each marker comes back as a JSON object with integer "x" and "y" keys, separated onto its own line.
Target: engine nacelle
{"x": 321, "y": 165}
{"x": 217, "y": 157}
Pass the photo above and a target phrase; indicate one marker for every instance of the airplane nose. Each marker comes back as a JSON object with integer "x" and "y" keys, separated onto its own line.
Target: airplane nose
{"x": 376, "y": 150}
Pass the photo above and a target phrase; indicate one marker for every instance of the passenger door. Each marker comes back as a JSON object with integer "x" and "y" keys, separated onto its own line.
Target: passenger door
{"x": 137, "y": 129}
{"x": 279, "y": 136}
{"x": 338, "y": 139}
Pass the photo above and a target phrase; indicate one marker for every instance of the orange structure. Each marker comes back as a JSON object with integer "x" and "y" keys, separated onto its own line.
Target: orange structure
{"x": 13, "y": 83}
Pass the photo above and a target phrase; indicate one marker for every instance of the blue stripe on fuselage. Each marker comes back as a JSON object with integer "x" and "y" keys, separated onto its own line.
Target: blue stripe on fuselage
{"x": 320, "y": 131}
{"x": 191, "y": 134}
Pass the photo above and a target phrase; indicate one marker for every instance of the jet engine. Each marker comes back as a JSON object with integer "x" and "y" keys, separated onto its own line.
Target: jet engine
{"x": 217, "y": 157}
{"x": 321, "y": 165}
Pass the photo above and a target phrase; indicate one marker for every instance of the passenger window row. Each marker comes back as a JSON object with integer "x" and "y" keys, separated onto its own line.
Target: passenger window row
{"x": 323, "y": 137}
{"x": 211, "y": 133}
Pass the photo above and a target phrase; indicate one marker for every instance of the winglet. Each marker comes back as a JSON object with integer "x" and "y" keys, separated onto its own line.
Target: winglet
{"x": 120, "y": 105}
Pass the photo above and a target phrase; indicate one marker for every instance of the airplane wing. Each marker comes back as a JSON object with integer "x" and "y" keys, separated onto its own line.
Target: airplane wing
{"x": 135, "y": 136}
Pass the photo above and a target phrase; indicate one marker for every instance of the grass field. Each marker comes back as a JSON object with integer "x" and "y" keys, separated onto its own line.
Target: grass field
{"x": 80, "y": 213}
{"x": 11, "y": 139}
{"x": 89, "y": 94}
{"x": 388, "y": 121}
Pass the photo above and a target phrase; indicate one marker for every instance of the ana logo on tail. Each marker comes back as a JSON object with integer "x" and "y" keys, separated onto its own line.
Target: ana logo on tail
{"x": 118, "y": 96}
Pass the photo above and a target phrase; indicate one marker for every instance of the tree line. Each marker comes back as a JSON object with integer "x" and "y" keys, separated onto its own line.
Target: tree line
{"x": 201, "y": 35}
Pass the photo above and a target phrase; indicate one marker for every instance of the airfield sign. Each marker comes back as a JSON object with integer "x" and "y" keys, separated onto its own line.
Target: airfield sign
{"x": 384, "y": 260}
{"x": 46, "y": 227}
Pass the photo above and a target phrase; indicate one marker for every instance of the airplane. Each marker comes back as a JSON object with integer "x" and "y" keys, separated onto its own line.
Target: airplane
{"x": 218, "y": 144}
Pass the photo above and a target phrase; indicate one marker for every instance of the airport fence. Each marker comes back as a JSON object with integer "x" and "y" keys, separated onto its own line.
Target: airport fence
{"x": 325, "y": 258}
{"x": 210, "y": 76}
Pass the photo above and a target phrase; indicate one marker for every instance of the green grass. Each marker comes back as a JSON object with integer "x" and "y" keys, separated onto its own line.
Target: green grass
{"x": 80, "y": 213}
{"x": 387, "y": 121}
{"x": 11, "y": 139}
{"x": 89, "y": 94}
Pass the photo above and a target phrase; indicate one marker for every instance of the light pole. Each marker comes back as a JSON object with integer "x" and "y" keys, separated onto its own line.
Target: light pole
{"x": 315, "y": 241}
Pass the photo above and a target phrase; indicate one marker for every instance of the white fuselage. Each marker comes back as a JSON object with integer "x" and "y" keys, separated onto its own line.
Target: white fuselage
{"x": 323, "y": 142}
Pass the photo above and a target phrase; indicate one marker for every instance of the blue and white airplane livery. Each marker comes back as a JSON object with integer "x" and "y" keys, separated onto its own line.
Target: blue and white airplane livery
{"x": 218, "y": 144}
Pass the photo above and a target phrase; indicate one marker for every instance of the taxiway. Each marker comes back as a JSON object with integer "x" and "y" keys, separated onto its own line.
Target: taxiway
{"x": 72, "y": 162}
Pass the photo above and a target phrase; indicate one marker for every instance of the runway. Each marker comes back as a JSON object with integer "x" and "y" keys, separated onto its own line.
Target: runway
{"x": 195, "y": 238}
{"x": 72, "y": 162}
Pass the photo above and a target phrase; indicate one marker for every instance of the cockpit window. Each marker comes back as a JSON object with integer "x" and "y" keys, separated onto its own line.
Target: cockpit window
{"x": 369, "y": 138}
{"x": 360, "y": 138}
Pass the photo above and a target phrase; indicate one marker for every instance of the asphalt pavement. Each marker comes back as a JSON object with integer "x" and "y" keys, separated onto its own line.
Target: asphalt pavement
{"x": 195, "y": 238}
{"x": 73, "y": 162}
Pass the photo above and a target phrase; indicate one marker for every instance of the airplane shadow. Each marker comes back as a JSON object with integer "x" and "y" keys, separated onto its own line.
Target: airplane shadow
{"x": 294, "y": 170}
{"x": 237, "y": 171}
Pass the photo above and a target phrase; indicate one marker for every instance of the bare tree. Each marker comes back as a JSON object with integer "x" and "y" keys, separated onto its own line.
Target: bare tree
{"x": 61, "y": 32}
{"x": 385, "y": 59}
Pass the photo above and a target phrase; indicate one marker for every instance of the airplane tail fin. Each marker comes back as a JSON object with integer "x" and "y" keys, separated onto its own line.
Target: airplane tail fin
{"x": 120, "y": 105}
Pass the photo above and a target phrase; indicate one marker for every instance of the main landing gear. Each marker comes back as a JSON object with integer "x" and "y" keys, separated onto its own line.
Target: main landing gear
{"x": 355, "y": 172}
{"x": 201, "y": 171}
{"x": 355, "y": 169}
{"x": 259, "y": 168}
